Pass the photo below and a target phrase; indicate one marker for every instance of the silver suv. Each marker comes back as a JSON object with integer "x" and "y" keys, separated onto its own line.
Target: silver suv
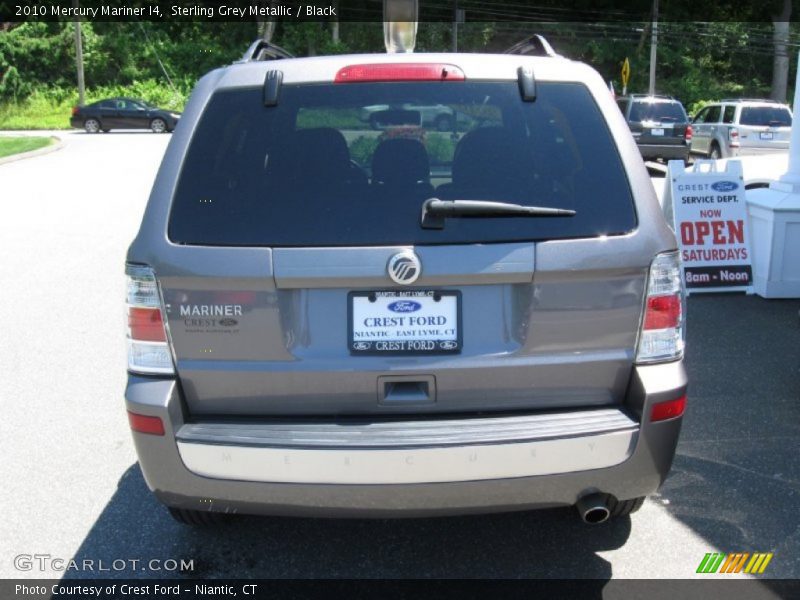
{"x": 741, "y": 127}
{"x": 319, "y": 323}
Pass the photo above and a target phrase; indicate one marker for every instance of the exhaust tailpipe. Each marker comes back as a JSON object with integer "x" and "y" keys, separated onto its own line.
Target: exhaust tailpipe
{"x": 593, "y": 508}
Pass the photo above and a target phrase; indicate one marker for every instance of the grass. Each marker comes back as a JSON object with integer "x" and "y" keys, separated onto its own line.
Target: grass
{"x": 36, "y": 112}
{"x": 16, "y": 145}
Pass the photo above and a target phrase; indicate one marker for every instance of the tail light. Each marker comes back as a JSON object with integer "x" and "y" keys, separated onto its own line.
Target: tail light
{"x": 733, "y": 137}
{"x": 74, "y": 110}
{"x": 399, "y": 72}
{"x": 662, "y": 335}
{"x": 689, "y": 133}
{"x": 148, "y": 351}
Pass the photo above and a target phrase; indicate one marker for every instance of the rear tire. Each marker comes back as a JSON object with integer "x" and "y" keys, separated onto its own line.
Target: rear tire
{"x": 714, "y": 153}
{"x": 158, "y": 126}
{"x": 92, "y": 126}
{"x": 196, "y": 518}
{"x": 623, "y": 508}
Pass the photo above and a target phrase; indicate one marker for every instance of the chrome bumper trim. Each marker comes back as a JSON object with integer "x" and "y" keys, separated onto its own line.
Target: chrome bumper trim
{"x": 408, "y": 465}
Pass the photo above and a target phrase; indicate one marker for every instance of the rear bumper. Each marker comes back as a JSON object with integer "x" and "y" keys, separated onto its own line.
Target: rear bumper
{"x": 666, "y": 151}
{"x": 408, "y": 451}
{"x": 218, "y": 468}
{"x": 759, "y": 151}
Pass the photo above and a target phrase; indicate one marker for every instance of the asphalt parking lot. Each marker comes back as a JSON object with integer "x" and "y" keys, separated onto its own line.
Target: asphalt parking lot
{"x": 72, "y": 488}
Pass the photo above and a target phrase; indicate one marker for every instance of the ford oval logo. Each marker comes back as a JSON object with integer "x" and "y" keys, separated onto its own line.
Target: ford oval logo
{"x": 228, "y": 322}
{"x": 724, "y": 186}
{"x": 404, "y": 306}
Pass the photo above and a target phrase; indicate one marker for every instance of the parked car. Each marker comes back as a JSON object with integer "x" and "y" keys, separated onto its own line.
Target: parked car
{"x": 659, "y": 125}
{"x": 123, "y": 113}
{"x": 740, "y": 127}
{"x": 441, "y": 118}
{"x": 313, "y": 335}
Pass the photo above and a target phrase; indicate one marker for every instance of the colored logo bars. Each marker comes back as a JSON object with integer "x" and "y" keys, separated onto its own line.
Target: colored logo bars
{"x": 716, "y": 562}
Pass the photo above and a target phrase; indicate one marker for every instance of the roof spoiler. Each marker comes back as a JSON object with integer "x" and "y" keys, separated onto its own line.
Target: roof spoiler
{"x": 534, "y": 45}
{"x": 764, "y": 100}
{"x": 263, "y": 50}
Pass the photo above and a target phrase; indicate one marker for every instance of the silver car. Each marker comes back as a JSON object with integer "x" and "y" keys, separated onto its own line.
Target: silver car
{"x": 440, "y": 118}
{"x": 319, "y": 324}
{"x": 741, "y": 127}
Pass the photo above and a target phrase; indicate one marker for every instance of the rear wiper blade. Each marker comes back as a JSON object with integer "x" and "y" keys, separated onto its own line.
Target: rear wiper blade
{"x": 434, "y": 211}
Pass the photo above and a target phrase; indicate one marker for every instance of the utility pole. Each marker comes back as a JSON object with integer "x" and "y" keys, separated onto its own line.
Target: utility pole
{"x": 653, "y": 47}
{"x": 459, "y": 16}
{"x": 79, "y": 55}
{"x": 780, "y": 59}
{"x": 455, "y": 26}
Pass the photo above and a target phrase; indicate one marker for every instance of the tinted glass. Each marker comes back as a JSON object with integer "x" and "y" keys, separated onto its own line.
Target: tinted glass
{"x": 701, "y": 116}
{"x": 317, "y": 171}
{"x": 727, "y": 116}
{"x": 713, "y": 115}
{"x": 765, "y": 116}
{"x": 657, "y": 111}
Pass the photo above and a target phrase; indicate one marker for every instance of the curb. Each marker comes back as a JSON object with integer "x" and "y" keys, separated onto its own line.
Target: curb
{"x": 59, "y": 143}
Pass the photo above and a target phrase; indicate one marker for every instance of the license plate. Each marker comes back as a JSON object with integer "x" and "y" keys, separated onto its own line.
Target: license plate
{"x": 659, "y": 131}
{"x": 765, "y": 135}
{"x": 407, "y": 322}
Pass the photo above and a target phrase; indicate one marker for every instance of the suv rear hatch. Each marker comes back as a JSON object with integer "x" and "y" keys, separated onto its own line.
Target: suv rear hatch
{"x": 658, "y": 122}
{"x": 765, "y": 127}
{"x": 294, "y": 212}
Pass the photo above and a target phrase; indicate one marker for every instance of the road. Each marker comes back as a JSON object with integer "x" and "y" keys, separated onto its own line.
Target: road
{"x": 72, "y": 489}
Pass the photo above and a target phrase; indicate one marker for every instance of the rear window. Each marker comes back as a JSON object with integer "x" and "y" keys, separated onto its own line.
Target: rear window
{"x": 351, "y": 164}
{"x": 766, "y": 116}
{"x": 657, "y": 111}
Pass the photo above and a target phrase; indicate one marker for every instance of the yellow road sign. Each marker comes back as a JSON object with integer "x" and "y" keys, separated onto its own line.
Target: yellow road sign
{"x": 626, "y": 72}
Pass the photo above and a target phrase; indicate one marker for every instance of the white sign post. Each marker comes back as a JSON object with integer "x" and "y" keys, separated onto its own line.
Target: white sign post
{"x": 710, "y": 219}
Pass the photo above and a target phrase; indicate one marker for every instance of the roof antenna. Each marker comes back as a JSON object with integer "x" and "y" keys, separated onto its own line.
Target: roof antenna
{"x": 400, "y": 25}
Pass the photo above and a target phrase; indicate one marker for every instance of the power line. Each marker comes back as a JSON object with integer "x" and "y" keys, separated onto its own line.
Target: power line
{"x": 158, "y": 58}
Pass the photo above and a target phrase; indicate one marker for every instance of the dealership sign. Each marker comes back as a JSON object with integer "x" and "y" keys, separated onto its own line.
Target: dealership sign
{"x": 710, "y": 218}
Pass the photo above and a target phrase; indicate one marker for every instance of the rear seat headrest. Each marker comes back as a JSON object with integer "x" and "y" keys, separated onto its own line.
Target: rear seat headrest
{"x": 400, "y": 162}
